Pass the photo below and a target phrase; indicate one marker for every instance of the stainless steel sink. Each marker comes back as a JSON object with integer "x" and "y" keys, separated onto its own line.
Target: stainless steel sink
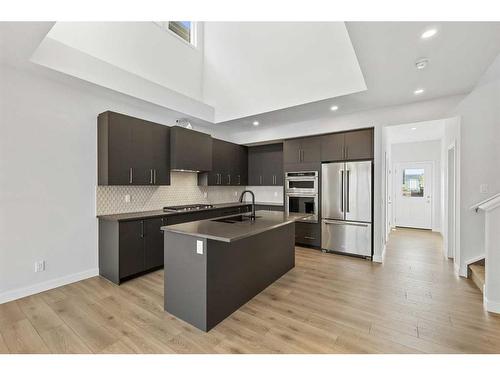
{"x": 234, "y": 219}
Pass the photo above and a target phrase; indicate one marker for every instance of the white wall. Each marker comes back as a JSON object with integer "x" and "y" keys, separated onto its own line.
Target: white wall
{"x": 48, "y": 175}
{"x": 256, "y": 67}
{"x": 479, "y": 159}
{"x": 129, "y": 45}
{"x": 421, "y": 152}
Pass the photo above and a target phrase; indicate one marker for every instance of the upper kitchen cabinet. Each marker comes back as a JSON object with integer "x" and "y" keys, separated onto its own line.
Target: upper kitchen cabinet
{"x": 190, "y": 150}
{"x": 332, "y": 147}
{"x": 132, "y": 151}
{"x": 359, "y": 144}
{"x": 302, "y": 153}
{"x": 265, "y": 165}
{"x": 229, "y": 165}
{"x": 352, "y": 145}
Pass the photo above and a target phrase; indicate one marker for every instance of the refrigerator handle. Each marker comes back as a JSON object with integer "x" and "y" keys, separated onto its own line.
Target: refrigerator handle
{"x": 348, "y": 177}
{"x": 342, "y": 191}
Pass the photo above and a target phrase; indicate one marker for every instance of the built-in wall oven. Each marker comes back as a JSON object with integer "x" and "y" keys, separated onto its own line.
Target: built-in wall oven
{"x": 301, "y": 194}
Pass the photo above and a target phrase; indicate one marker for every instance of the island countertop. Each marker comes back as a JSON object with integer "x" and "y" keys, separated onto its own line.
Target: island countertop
{"x": 229, "y": 232}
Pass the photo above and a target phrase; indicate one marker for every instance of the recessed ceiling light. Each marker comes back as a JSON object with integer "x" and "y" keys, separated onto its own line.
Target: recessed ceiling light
{"x": 334, "y": 107}
{"x": 255, "y": 123}
{"x": 428, "y": 33}
{"x": 413, "y": 128}
{"x": 418, "y": 91}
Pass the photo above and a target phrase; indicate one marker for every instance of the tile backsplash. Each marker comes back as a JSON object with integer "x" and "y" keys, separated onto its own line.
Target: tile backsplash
{"x": 183, "y": 189}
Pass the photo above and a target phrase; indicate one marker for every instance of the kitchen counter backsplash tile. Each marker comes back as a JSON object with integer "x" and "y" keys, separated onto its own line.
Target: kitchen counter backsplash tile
{"x": 183, "y": 189}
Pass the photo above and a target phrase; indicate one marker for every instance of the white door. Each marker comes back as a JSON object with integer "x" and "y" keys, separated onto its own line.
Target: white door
{"x": 413, "y": 193}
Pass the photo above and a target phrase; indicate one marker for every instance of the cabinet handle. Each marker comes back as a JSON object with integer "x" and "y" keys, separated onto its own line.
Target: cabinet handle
{"x": 154, "y": 176}
{"x": 260, "y": 180}
{"x": 142, "y": 228}
{"x": 309, "y": 238}
{"x": 347, "y": 152}
{"x": 300, "y": 155}
{"x": 150, "y": 176}
{"x": 229, "y": 179}
{"x": 239, "y": 180}
{"x": 130, "y": 176}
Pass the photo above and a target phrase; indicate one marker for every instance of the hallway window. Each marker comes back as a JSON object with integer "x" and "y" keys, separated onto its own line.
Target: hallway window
{"x": 413, "y": 182}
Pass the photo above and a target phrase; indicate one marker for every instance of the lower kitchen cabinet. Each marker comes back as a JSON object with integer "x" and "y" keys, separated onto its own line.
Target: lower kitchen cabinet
{"x": 131, "y": 247}
{"x": 308, "y": 234}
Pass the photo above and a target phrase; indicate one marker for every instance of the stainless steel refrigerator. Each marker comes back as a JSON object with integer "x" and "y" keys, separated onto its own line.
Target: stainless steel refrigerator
{"x": 346, "y": 207}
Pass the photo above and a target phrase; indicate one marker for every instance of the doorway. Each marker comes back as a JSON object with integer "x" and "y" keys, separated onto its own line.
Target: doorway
{"x": 413, "y": 190}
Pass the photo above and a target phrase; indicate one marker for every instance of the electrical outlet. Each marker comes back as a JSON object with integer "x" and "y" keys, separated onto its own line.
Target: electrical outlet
{"x": 199, "y": 247}
{"x": 483, "y": 188}
{"x": 127, "y": 198}
{"x": 205, "y": 194}
{"x": 275, "y": 193}
{"x": 235, "y": 193}
{"x": 40, "y": 266}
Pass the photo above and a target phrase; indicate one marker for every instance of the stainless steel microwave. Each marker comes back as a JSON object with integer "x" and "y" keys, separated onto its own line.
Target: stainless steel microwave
{"x": 301, "y": 182}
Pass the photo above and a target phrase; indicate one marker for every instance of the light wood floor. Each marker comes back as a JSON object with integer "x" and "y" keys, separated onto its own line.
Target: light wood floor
{"x": 327, "y": 304}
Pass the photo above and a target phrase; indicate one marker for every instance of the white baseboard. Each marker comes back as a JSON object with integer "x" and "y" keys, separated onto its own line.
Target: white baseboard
{"x": 46, "y": 285}
{"x": 379, "y": 258}
{"x": 491, "y": 306}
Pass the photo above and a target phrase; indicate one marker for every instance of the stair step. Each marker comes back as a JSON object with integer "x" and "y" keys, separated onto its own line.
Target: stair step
{"x": 477, "y": 274}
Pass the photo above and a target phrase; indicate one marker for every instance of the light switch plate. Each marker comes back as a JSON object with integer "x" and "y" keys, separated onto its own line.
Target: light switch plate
{"x": 127, "y": 198}
{"x": 483, "y": 188}
{"x": 199, "y": 247}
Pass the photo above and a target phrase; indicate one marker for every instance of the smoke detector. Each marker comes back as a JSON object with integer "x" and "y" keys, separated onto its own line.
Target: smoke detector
{"x": 421, "y": 64}
{"x": 184, "y": 123}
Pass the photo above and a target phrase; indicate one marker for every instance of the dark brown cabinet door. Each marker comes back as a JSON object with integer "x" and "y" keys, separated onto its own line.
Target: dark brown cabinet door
{"x": 241, "y": 173}
{"x": 160, "y": 154}
{"x": 114, "y": 143}
{"x": 190, "y": 150}
{"x": 359, "y": 144}
{"x": 311, "y": 150}
{"x": 131, "y": 239}
{"x": 153, "y": 243}
{"x": 255, "y": 166}
{"x": 292, "y": 151}
{"x": 332, "y": 147}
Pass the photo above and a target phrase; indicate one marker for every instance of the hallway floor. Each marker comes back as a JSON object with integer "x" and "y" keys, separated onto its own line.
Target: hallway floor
{"x": 328, "y": 303}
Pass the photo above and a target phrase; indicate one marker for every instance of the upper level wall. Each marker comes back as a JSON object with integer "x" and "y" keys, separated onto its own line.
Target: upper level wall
{"x": 480, "y": 157}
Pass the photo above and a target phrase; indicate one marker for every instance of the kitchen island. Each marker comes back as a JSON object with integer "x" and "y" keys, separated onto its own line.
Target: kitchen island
{"x": 212, "y": 267}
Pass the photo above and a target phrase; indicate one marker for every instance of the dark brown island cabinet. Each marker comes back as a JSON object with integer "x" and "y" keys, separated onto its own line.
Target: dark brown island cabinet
{"x": 229, "y": 165}
{"x": 131, "y": 246}
{"x": 132, "y": 151}
{"x": 265, "y": 165}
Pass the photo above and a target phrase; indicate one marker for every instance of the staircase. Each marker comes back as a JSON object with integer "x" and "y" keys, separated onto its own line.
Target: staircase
{"x": 477, "y": 274}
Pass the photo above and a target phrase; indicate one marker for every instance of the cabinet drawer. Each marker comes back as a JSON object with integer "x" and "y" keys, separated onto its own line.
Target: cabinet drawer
{"x": 308, "y": 234}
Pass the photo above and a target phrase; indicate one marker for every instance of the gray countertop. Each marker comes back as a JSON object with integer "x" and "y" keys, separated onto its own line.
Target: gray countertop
{"x": 228, "y": 232}
{"x": 160, "y": 213}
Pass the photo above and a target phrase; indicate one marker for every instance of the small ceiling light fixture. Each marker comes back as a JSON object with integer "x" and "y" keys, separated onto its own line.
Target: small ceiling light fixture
{"x": 334, "y": 108}
{"x": 413, "y": 128}
{"x": 255, "y": 123}
{"x": 429, "y": 33}
{"x": 421, "y": 64}
{"x": 418, "y": 91}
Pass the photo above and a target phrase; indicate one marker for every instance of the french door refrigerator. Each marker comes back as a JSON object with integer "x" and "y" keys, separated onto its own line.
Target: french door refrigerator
{"x": 346, "y": 207}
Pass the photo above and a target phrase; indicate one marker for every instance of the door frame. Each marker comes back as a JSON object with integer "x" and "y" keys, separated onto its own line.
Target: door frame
{"x": 451, "y": 250}
{"x": 395, "y": 187}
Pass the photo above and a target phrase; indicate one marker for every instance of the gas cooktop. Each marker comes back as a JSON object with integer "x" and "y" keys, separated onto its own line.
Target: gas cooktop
{"x": 188, "y": 207}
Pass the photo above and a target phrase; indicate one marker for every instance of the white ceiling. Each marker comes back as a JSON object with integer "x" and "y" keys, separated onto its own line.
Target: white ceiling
{"x": 256, "y": 67}
{"x": 415, "y": 132}
{"x": 458, "y": 55}
{"x": 386, "y": 52}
